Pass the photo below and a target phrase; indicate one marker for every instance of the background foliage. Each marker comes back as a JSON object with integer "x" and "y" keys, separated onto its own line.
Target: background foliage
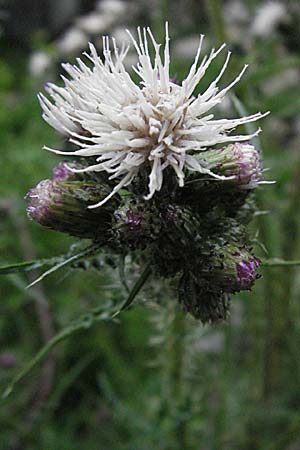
{"x": 153, "y": 379}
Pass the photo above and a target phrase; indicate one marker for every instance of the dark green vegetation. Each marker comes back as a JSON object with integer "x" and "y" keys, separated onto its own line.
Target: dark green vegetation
{"x": 154, "y": 379}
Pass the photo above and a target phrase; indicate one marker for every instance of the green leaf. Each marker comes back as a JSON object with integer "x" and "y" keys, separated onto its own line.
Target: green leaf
{"x": 136, "y": 289}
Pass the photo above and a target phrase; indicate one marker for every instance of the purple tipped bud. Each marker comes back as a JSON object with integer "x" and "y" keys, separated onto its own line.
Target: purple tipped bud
{"x": 235, "y": 269}
{"x": 134, "y": 221}
{"x": 230, "y": 268}
{"x": 135, "y": 225}
{"x": 38, "y": 201}
{"x": 62, "y": 204}
{"x": 246, "y": 272}
{"x": 240, "y": 161}
{"x": 130, "y": 221}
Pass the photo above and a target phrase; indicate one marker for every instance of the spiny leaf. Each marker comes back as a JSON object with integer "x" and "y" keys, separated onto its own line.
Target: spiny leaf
{"x": 57, "y": 261}
{"x": 26, "y": 266}
{"x": 87, "y": 252}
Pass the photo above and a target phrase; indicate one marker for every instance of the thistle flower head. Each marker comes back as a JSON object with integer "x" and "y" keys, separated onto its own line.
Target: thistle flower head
{"x": 156, "y": 124}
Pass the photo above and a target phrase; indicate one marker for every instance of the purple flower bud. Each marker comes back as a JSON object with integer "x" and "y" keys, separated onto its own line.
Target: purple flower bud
{"x": 135, "y": 225}
{"x": 130, "y": 226}
{"x": 134, "y": 221}
{"x": 246, "y": 272}
{"x": 231, "y": 268}
{"x": 239, "y": 269}
{"x": 240, "y": 161}
{"x": 38, "y": 201}
{"x": 62, "y": 204}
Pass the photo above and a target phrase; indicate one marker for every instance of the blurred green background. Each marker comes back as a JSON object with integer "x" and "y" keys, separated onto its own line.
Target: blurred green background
{"x": 154, "y": 380}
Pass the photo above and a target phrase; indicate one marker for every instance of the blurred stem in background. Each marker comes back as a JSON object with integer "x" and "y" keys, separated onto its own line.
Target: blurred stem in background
{"x": 176, "y": 350}
{"x": 170, "y": 335}
{"x": 215, "y": 15}
{"x": 273, "y": 350}
{"x": 290, "y": 248}
{"x": 43, "y": 313}
{"x": 271, "y": 298}
{"x": 161, "y": 15}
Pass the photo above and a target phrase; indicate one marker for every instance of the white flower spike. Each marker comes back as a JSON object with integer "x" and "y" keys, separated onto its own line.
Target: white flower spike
{"x": 158, "y": 123}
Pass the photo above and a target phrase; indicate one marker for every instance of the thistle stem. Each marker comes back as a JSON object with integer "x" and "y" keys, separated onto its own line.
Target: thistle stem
{"x": 215, "y": 13}
{"x": 278, "y": 262}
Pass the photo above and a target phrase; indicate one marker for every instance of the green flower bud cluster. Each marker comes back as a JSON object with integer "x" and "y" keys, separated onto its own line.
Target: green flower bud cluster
{"x": 195, "y": 234}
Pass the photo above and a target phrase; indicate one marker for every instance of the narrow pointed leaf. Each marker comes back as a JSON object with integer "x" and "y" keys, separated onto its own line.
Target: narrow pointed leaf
{"x": 83, "y": 323}
{"x": 87, "y": 252}
{"x": 136, "y": 289}
{"x": 26, "y": 266}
